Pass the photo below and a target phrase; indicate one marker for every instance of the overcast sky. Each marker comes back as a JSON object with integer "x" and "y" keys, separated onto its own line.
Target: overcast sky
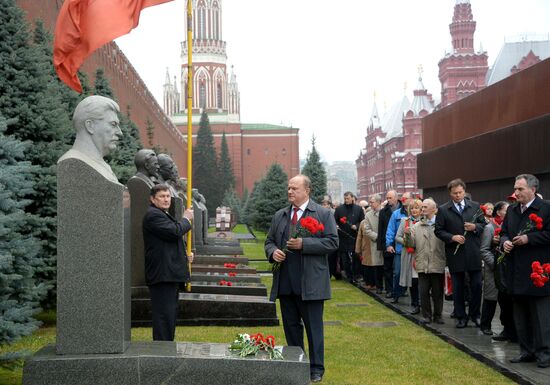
{"x": 316, "y": 64}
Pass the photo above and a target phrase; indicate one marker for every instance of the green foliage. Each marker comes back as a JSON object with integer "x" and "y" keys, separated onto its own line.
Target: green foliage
{"x": 248, "y": 204}
{"x": 102, "y": 86}
{"x": 205, "y": 166}
{"x": 20, "y": 293}
{"x": 271, "y": 196}
{"x": 230, "y": 199}
{"x": 227, "y": 179}
{"x": 316, "y": 172}
{"x": 150, "y": 130}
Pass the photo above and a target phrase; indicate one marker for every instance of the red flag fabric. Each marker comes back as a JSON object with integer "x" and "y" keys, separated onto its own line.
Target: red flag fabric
{"x": 85, "y": 25}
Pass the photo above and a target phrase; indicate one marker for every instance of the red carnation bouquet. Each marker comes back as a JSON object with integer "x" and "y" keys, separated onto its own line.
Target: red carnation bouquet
{"x": 343, "y": 220}
{"x": 535, "y": 222}
{"x": 250, "y": 344}
{"x": 540, "y": 274}
{"x": 480, "y": 213}
{"x": 407, "y": 236}
{"x": 309, "y": 226}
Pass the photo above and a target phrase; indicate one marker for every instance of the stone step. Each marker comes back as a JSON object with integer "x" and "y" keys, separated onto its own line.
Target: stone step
{"x": 216, "y": 277}
{"x": 219, "y": 259}
{"x": 240, "y": 269}
{"x": 236, "y": 288}
{"x": 213, "y": 309}
{"x": 218, "y": 250}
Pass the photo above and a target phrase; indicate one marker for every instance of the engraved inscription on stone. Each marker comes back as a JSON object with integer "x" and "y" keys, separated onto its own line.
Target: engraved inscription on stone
{"x": 201, "y": 350}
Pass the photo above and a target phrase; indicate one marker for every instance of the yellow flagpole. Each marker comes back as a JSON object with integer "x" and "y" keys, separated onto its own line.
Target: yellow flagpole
{"x": 189, "y": 123}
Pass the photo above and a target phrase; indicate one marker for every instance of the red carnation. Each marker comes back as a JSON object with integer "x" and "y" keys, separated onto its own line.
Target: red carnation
{"x": 222, "y": 282}
{"x": 497, "y": 231}
{"x": 270, "y": 341}
{"x": 410, "y": 250}
{"x": 484, "y": 209}
{"x": 320, "y": 227}
{"x": 533, "y": 217}
{"x": 228, "y": 283}
{"x": 343, "y": 220}
{"x": 232, "y": 274}
{"x": 538, "y": 226}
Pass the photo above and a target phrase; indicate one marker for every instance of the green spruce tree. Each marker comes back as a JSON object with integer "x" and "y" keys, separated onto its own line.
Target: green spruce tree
{"x": 317, "y": 174}
{"x": 227, "y": 178}
{"x": 20, "y": 292}
{"x": 150, "y": 130}
{"x": 270, "y": 197}
{"x": 205, "y": 166}
{"x": 102, "y": 86}
{"x": 231, "y": 200}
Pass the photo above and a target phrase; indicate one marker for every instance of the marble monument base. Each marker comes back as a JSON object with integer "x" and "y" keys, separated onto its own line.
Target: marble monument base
{"x": 166, "y": 363}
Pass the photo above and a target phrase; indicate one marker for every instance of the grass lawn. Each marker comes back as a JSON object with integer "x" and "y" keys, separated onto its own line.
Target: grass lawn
{"x": 404, "y": 354}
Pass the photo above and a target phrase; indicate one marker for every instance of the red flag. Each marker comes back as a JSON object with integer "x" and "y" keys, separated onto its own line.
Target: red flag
{"x": 85, "y": 25}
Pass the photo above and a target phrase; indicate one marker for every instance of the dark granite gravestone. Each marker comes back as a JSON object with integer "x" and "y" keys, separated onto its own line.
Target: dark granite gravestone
{"x": 219, "y": 259}
{"x": 216, "y": 277}
{"x": 93, "y": 263}
{"x": 168, "y": 363}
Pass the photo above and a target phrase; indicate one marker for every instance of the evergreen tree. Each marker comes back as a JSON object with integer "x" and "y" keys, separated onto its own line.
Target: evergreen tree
{"x": 248, "y": 204}
{"x": 270, "y": 197}
{"x": 231, "y": 200}
{"x": 205, "y": 166}
{"x": 227, "y": 178}
{"x": 150, "y": 130}
{"x": 317, "y": 174}
{"x": 19, "y": 249}
{"x": 122, "y": 159}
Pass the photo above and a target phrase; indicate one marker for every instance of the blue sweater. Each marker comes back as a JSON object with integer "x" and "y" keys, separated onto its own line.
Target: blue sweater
{"x": 393, "y": 226}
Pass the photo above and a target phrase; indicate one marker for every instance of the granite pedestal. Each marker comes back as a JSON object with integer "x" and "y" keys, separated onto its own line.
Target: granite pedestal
{"x": 220, "y": 259}
{"x": 216, "y": 277}
{"x": 218, "y": 250}
{"x": 167, "y": 363}
{"x": 239, "y": 269}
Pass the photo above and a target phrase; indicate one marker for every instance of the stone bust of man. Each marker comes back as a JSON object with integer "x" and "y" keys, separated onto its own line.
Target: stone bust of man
{"x": 147, "y": 166}
{"x": 97, "y": 133}
{"x": 168, "y": 172}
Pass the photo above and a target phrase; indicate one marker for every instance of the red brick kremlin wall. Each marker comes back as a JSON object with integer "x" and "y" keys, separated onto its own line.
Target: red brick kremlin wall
{"x": 129, "y": 88}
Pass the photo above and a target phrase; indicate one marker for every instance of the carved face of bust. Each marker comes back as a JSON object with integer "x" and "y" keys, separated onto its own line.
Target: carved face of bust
{"x": 152, "y": 164}
{"x": 168, "y": 169}
{"x": 105, "y": 132}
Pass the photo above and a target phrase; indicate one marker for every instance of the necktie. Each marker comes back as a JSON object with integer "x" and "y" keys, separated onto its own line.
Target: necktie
{"x": 295, "y": 216}
{"x": 523, "y": 208}
{"x": 460, "y": 208}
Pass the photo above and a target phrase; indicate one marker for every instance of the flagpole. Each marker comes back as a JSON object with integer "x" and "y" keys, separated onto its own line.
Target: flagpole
{"x": 189, "y": 123}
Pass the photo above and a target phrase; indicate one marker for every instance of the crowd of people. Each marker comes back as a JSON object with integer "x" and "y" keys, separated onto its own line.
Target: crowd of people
{"x": 478, "y": 255}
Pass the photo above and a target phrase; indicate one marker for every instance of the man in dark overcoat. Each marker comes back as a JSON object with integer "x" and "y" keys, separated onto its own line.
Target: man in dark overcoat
{"x": 392, "y": 204}
{"x": 302, "y": 282}
{"x": 455, "y": 218}
{"x": 531, "y": 303}
{"x": 166, "y": 261}
{"x": 348, "y": 216}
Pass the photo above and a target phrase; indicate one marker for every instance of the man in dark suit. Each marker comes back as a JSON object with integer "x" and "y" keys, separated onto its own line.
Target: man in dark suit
{"x": 531, "y": 303}
{"x": 455, "y": 218}
{"x": 348, "y": 216}
{"x": 302, "y": 282}
{"x": 166, "y": 262}
{"x": 392, "y": 204}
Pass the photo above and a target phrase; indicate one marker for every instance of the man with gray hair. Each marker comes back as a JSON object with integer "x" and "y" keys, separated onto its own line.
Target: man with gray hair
{"x": 531, "y": 303}
{"x": 393, "y": 204}
{"x": 97, "y": 133}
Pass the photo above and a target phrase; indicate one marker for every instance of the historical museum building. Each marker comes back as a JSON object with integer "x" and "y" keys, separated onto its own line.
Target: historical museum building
{"x": 252, "y": 147}
{"x": 393, "y": 141}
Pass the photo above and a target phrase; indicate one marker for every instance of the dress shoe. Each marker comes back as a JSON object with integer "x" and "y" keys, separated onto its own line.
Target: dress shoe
{"x": 543, "y": 364}
{"x": 389, "y": 295}
{"x": 415, "y": 310}
{"x": 315, "y": 377}
{"x": 487, "y": 332}
{"x": 461, "y": 324}
{"x": 395, "y": 300}
{"x": 476, "y": 322}
{"x": 452, "y": 315}
{"x": 439, "y": 321}
{"x": 523, "y": 357}
{"x": 502, "y": 336}
{"x": 378, "y": 291}
{"x": 424, "y": 321}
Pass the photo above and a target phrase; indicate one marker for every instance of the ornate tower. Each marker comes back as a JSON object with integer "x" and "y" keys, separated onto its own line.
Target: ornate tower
{"x": 463, "y": 71}
{"x": 171, "y": 96}
{"x": 213, "y": 90}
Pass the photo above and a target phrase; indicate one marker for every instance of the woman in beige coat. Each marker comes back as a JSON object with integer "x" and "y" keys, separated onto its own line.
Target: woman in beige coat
{"x": 365, "y": 246}
{"x": 430, "y": 263}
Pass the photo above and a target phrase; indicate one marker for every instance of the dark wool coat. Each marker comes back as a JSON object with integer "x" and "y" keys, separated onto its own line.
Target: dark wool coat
{"x": 537, "y": 249}
{"x": 315, "y": 280}
{"x": 383, "y": 221}
{"x": 165, "y": 254}
{"x": 354, "y": 215}
{"x": 449, "y": 222}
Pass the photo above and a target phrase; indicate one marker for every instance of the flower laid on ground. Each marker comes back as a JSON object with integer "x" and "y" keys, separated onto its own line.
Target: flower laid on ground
{"x": 343, "y": 220}
{"x": 309, "y": 226}
{"x": 232, "y": 274}
{"x": 535, "y": 222}
{"x": 250, "y": 344}
{"x": 223, "y": 282}
{"x": 230, "y": 265}
{"x": 540, "y": 274}
{"x": 480, "y": 213}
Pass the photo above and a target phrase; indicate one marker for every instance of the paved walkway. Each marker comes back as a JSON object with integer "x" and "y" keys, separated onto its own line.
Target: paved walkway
{"x": 475, "y": 343}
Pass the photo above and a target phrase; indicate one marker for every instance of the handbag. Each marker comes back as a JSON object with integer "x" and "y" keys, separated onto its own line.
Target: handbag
{"x": 500, "y": 275}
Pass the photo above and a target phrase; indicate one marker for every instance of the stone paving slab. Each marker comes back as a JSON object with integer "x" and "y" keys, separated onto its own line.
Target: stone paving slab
{"x": 472, "y": 341}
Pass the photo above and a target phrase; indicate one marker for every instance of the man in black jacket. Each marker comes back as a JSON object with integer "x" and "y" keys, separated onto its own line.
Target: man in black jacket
{"x": 392, "y": 204}
{"x": 348, "y": 217}
{"x": 166, "y": 262}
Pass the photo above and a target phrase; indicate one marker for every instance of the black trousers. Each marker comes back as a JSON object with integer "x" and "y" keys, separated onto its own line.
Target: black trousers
{"x": 459, "y": 288}
{"x": 506, "y": 303}
{"x": 334, "y": 265}
{"x": 351, "y": 263}
{"x": 388, "y": 271}
{"x": 414, "y": 292}
{"x": 532, "y": 319}
{"x": 374, "y": 276}
{"x": 431, "y": 288}
{"x": 488, "y": 310}
{"x": 164, "y": 308}
{"x": 298, "y": 314}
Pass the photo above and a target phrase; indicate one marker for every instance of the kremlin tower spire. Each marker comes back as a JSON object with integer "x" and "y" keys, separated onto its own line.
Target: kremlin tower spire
{"x": 463, "y": 71}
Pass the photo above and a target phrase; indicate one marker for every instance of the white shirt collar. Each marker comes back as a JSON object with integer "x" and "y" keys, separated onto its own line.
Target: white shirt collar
{"x": 302, "y": 206}
{"x": 529, "y": 203}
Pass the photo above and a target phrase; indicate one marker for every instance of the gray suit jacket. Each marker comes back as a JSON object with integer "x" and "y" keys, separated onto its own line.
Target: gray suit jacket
{"x": 315, "y": 282}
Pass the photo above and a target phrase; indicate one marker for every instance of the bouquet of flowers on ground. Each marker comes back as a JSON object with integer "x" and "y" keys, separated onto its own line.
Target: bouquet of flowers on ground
{"x": 309, "y": 226}
{"x": 535, "y": 222}
{"x": 480, "y": 213}
{"x": 540, "y": 274}
{"x": 250, "y": 344}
